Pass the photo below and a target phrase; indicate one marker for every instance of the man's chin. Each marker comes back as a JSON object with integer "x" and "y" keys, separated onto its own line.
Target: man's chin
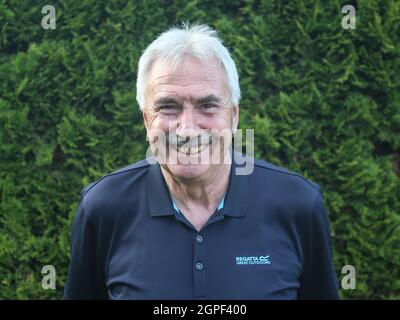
{"x": 189, "y": 171}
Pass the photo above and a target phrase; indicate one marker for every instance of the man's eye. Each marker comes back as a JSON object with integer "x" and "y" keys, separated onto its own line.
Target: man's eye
{"x": 168, "y": 108}
{"x": 208, "y": 106}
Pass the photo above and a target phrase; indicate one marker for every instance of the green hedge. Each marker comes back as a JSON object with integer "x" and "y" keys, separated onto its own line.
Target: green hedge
{"x": 323, "y": 101}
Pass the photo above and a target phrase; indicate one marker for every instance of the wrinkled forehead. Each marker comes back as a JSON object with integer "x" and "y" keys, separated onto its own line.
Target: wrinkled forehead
{"x": 190, "y": 71}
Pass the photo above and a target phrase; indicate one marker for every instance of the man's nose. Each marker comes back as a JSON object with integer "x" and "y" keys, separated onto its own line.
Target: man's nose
{"x": 186, "y": 120}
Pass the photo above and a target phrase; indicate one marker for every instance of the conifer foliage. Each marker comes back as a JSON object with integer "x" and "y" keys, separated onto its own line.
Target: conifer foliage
{"x": 323, "y": 100}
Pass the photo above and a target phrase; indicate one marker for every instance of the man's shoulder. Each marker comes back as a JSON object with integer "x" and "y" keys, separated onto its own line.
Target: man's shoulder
{"x": 288, "y": 188}
{"x": 114, "y": 179}
{"x": 295, "y": 195}
{"x": 280, "y": 174}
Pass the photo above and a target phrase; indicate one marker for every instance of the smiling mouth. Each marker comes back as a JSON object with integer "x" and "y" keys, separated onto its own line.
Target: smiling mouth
{"x": 189, "y": 146}
{"x": 191, "y": 150}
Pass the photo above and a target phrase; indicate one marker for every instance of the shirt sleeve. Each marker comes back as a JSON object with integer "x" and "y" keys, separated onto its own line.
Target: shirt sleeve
{"x": 85, "y": 275}
{"x": 318, "y": 279}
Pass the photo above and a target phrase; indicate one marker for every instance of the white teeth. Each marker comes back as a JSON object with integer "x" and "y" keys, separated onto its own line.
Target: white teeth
{"x": 192, "y": 150}
{"x": 184, "y": 149}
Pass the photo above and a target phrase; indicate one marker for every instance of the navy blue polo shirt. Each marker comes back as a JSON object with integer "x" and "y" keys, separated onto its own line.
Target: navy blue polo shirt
{"x": 268, "y": 239}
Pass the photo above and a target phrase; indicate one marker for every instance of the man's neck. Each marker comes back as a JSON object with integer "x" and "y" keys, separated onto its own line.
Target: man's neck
{"x": 205, "y": 193}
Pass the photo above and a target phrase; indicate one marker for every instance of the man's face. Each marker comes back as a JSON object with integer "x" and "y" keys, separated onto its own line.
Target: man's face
{"x": 191, "y": 104}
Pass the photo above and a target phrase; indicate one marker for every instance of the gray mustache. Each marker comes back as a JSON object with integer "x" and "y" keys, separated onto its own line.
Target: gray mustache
{"x": 188, "y": 141}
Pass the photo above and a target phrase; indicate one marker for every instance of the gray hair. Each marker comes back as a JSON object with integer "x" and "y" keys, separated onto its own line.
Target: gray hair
{"x": 198, "y": 41}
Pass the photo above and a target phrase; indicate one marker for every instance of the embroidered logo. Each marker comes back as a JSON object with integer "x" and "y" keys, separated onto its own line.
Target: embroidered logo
{"x": 252, "y": 260}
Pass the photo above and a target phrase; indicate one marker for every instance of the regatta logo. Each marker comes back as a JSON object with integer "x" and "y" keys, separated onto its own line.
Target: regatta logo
{"x": 252, "y": 260}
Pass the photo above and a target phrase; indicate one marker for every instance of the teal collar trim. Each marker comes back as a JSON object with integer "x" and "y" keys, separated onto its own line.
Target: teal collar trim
{"x": 220, "y": 206}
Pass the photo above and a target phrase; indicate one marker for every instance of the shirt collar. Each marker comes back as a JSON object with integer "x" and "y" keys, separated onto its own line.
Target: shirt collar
{"x": 159, "y": 199}
{"x": 220, "y": 206}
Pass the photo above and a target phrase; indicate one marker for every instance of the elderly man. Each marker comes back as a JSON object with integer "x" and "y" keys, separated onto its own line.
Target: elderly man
{"x": 184, "y": 224}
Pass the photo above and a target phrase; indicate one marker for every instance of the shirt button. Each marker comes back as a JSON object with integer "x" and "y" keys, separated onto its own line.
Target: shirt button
{"x": 199, "y": 239}
{"x": 199, "y": 266}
